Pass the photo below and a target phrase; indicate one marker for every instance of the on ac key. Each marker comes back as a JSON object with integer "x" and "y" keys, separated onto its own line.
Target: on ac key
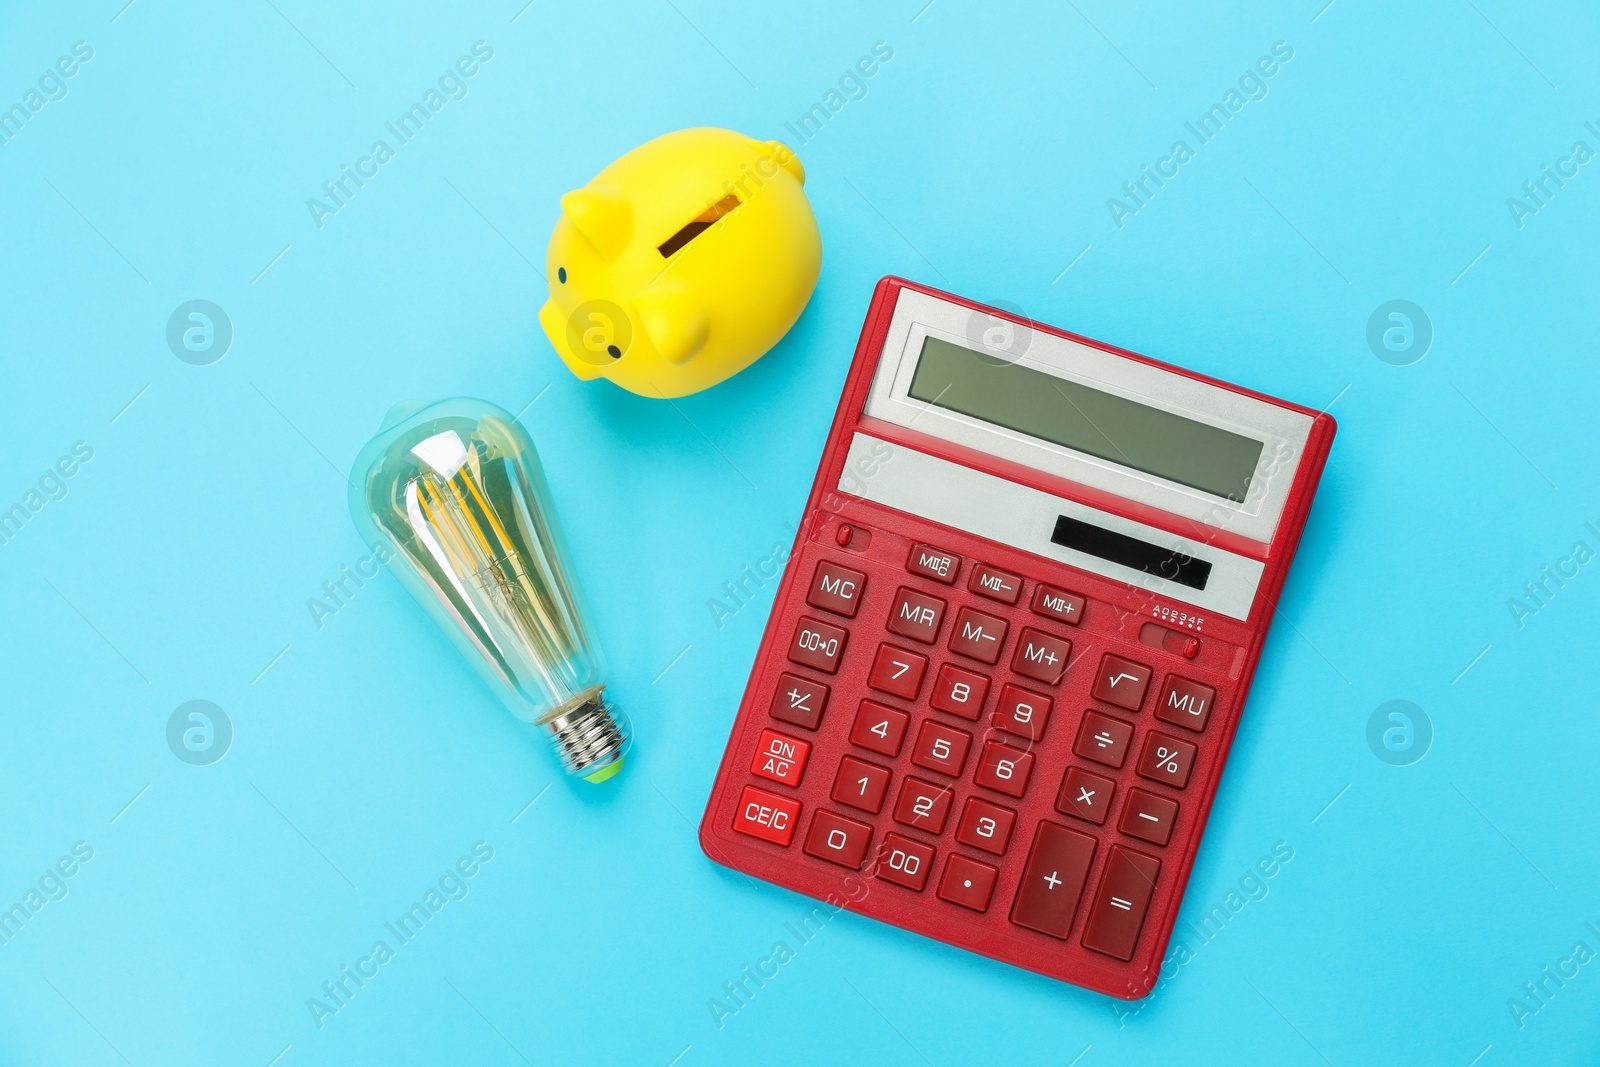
{"x": 780, "y": 758}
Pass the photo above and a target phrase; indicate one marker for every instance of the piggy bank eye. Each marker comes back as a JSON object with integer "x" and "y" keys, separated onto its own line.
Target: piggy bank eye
{"x": 613, "y": 351}
{"x": 561, "y": 275}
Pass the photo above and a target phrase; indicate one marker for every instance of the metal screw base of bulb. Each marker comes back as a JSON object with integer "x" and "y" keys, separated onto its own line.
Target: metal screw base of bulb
{"x": 587, "y": 738}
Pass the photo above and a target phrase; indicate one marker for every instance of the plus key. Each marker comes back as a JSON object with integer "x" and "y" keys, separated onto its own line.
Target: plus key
{"x": 1052, "y": 882}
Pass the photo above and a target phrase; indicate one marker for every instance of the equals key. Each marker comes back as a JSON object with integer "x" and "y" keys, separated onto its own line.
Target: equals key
{"x": 1120, "y": 902}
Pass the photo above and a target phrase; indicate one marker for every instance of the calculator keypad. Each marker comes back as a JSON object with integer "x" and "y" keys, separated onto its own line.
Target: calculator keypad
{"x": 1166, "y": 759}
{"x": 766, "y": 815}
{"x": 1103, "y": 739}
{"x": 986, "y": 826}
{"x": 1057, "y": 604}
{"x": 905, "y": 862}
{"x": 1120, "y": 902}
{"x": 969, "y": 677}
{"x": 995, "y": 584}
{"x": 1148, "y": 817}
{"x": 1086, "y": 795}
{"x": 836, "y": 589}
{"x": 780, "y": 758}
{"x": 1022, "y": 712}
{"x": 932, "y": 563}
{"x": 941, "y": 748}
{"x": 1004, "y": 769}
{"x": 1185, "y": 703}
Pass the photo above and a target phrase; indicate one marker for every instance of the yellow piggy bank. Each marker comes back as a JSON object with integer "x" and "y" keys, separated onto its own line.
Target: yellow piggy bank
{"x": 681, "y": 263}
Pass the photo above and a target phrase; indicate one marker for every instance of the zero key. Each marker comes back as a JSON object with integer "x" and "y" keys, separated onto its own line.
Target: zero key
{"x": 1052, "y": 882}
{"x": 1117, "y": 914}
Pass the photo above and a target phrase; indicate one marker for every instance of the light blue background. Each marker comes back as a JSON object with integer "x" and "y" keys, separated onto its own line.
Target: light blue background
{"x": 367, "y": 757}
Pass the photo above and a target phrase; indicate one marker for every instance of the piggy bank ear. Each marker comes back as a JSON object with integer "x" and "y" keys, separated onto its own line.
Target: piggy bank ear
{"x": 786, "y": 159}
{"x": 674, "y": 321}
{"x": 602, "y": 216}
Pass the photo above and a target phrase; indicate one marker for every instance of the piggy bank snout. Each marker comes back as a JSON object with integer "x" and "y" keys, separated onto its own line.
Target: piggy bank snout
{"x": 591, "y": 337}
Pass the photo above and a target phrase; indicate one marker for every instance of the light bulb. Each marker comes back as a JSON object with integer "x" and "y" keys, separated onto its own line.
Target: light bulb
{"x": 456, "y": 488}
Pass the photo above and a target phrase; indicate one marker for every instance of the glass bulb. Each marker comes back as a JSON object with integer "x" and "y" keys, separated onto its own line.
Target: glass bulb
{"x": 456, "y": 488}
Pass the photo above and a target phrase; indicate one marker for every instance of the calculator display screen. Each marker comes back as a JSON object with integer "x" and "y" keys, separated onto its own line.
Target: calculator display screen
{"x": 1079, "y": 417}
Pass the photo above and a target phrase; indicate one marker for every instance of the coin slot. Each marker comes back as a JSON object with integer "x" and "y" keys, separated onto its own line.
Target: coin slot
{"x": 698, "y": 225}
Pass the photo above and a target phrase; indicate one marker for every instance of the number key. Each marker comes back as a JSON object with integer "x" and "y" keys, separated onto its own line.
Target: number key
{"x": 959, "y": 692}
{"x": 941, "y": 748}
{"x": 897, "y": 672}
{"x": 923, "y": 805}
{"x": 1022, "y": 713}
{"x": 861, "y": 785}
{"x": 879, "y": 728}
{"x": 986, "y": 826}
{"x": 837, "y": 839}
{"x": 904, "y": 861}
{"x": 1004, "y": 769}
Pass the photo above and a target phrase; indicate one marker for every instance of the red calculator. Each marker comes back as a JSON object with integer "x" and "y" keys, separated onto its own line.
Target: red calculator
{"x": 1009, "y": 653}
